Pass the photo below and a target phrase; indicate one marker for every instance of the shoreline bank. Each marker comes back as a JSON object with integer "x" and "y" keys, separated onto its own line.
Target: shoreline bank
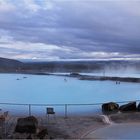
{"x": 83, "y": 77}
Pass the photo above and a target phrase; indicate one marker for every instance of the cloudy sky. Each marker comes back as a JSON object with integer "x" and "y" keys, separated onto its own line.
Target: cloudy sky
{"x": 70, "y": 29}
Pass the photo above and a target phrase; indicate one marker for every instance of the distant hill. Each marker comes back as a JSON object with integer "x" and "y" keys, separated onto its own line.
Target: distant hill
{"x": 7, "y": 65}
{"x": 83, "y": 66}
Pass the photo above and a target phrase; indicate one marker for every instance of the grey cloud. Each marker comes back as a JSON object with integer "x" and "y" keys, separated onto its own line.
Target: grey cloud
{"x": 98, "y": 26}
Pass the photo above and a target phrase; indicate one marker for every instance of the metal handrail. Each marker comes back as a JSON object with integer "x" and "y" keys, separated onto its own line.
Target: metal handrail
{"x": 65, "y": 105}
{"x": 100, "y": 103}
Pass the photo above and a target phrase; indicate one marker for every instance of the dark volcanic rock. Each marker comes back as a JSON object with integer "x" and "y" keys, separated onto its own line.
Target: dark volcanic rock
{"x": 110, "y": 107}
{"x": 42, "y": 134}
{"x": 138, "y": 108}
{"x": 74, "y": 74}
{"x": 26, "y": 125}
{"x": 128, "y": 107}
{"x": 29, "y": 137}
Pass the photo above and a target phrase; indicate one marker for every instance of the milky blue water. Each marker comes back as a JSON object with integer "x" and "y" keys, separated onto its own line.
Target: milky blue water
{"x": 40, "y": 89}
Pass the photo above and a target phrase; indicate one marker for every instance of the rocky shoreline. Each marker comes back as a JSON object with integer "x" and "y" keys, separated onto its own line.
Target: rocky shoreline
{"x": 80, "y": 76}
{"x": 103, "y": 78}
{"x": 92, "y": 78}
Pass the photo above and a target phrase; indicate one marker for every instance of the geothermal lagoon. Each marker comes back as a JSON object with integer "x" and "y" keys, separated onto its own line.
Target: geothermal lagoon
{"x": 48, "y": 89}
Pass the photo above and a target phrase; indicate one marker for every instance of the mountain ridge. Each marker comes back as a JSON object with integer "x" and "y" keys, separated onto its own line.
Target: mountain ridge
{"x": 10, "y": 65}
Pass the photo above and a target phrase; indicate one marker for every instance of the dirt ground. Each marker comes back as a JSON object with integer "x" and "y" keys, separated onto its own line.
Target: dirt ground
{"x": 72, "y": 127}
